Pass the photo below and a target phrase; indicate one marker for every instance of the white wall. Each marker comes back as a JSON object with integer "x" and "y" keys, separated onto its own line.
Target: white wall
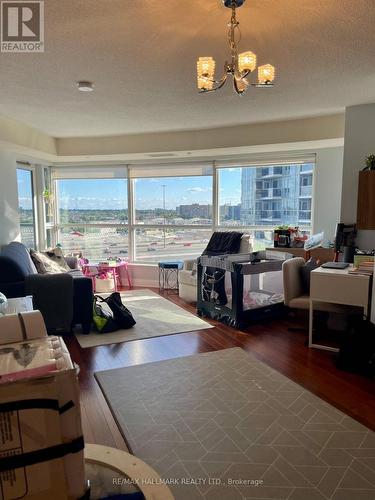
{"x": 9, "y": 218}
{"x": 327, "y": 191}
{"x": 258, "y": 134}
{"x": 359, "y": 143}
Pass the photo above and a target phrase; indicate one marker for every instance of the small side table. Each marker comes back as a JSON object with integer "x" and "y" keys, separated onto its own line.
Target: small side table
{"x": 168, "y": 274}
{"x": 92, "y": 270}
{"x": 115, "y": 270}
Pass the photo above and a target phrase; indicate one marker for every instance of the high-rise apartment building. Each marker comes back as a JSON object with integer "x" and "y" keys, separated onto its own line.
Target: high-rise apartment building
{"x": 275, "y": 195}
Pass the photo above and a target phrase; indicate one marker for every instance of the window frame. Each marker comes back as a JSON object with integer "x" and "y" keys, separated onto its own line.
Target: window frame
{"x": 134, "y": 226}
{"x": 130, "y": 173}
{"x": 36, "y": 223}
{"x": 57, "y": 226}
{"x": 267, "y": 164}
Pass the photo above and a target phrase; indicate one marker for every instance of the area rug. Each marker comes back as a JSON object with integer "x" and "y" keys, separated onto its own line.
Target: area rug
{"x": 155, "y": 317}
{"x": 223, "y": 425}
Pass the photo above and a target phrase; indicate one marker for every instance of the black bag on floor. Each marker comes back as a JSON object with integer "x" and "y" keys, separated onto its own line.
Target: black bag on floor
{"x": 103, "y": 320}
{"x": 357, "y": 350}
{"x": 121, "y": 314}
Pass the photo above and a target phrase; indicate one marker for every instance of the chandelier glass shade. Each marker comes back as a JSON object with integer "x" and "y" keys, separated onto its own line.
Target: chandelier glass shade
{"x": 239, "y": 67}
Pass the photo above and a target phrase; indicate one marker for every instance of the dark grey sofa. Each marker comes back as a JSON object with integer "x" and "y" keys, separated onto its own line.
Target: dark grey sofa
{"x": 63, "y": 299}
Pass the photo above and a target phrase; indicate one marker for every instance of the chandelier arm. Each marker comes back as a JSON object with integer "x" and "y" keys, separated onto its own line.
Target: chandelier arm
{"x": 220, "y": 83}
{"x": 236, "y": 88}
{"x": 245, "y": 74}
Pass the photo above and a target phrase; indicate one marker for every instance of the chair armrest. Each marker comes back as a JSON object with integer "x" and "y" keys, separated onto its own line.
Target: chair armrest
{"x": 292, "y": 280}
{"x": 53, "y": 296}
{"x": 10, "y": 271}
{"x": 189, "y": 264}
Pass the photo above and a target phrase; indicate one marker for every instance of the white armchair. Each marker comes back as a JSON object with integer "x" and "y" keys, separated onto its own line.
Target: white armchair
{"x": 188, "y": 281}
{"x": 188, "y": 275}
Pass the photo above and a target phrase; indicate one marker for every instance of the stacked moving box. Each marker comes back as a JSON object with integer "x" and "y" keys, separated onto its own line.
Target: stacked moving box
{"x": 41, "y": 443}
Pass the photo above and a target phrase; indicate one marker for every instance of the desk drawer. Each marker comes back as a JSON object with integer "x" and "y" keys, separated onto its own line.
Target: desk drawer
{"x": 351, "y": 290}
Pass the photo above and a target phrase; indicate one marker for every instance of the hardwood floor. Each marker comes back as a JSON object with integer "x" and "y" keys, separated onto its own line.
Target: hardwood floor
{"x": 271, "y": 342}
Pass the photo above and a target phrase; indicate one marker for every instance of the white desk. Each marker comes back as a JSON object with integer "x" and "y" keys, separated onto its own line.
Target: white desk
{"x": 337, "y": 286}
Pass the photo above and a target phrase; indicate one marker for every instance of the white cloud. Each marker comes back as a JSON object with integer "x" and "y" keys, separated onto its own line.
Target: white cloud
{"x": 199, "y": 190}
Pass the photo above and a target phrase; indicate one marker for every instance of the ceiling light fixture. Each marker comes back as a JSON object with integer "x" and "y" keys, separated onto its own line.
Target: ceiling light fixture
{"x": 85, "y": 86}
{"x": 240, "y": 65}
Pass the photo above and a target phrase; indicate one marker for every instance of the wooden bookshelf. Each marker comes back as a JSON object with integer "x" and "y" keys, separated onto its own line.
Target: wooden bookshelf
{"x": 366, "y": 200}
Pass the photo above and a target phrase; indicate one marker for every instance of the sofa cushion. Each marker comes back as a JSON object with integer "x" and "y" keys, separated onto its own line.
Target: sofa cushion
{"x": 17, "y": 252}
{"x": 46, "y": 265}
{"x": 56, "y": 255}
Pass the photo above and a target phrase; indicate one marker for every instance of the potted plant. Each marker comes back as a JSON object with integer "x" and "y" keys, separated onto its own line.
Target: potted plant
{"x": 370, "y": 162}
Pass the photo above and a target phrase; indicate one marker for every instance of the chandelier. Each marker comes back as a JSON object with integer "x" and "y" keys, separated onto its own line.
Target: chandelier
{"x": 240, "y": 65}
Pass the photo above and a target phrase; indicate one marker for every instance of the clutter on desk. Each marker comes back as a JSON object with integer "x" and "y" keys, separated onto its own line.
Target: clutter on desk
{"x": 317, "y": 241}
{"x": 288, "y": 237}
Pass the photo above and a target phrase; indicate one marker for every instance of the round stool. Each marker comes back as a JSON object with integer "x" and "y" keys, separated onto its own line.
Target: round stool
{"x": 168, "y": 274}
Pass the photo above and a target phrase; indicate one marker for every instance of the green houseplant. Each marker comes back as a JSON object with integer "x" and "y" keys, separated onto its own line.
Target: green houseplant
{"x": 370, "y": 162}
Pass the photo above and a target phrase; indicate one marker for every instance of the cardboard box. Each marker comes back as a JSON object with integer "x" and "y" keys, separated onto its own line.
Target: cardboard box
{"x": 40, "y": 414}
{"x": 22, "y": 326}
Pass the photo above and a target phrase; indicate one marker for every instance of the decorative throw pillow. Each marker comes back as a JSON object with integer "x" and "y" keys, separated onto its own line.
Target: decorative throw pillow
{"x": 44, "y": 264}
{"x": 305, "y": 274}
{"x": 57, "y": 256}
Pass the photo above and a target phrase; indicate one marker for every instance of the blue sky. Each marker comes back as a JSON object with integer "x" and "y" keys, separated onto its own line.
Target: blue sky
{"x": 112, "y": 194}
{"x": 24, "y": 188}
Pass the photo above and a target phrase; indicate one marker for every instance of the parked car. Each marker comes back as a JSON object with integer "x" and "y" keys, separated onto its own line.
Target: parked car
{"x": 151, "y": 249}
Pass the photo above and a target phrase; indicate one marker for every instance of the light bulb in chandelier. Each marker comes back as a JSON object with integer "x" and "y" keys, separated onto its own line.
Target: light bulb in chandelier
{"x": 206, "y": 67}
{"x": 205, "y": 83}
{"x": 247, "y": 61}
{"x": 266, "y": 74}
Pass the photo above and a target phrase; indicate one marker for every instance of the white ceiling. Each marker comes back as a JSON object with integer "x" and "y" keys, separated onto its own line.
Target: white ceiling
{"x": 142, "y": 54}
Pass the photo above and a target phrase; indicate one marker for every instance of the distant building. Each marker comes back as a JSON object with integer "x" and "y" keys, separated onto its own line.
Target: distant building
{"x": 230, "y": 212}
{"x": 276, "y": 195}
{"x": 195, "y": 211}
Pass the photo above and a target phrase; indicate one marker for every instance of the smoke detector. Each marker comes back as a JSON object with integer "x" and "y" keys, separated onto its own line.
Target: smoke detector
{"x": 84, "y": 86}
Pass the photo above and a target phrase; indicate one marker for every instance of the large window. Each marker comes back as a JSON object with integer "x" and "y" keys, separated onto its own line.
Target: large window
{"x": 262, "y": 198}
{"x": 174, "y": 200}
{"x": 26, "y": 206}
{"x": 92, "y": 217}
{"x": 172, "y": 217}
{"x": 183, "y": 206}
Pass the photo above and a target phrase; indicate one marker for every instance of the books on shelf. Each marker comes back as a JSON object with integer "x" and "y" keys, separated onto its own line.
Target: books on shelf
{"x": 365, "y": 267}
